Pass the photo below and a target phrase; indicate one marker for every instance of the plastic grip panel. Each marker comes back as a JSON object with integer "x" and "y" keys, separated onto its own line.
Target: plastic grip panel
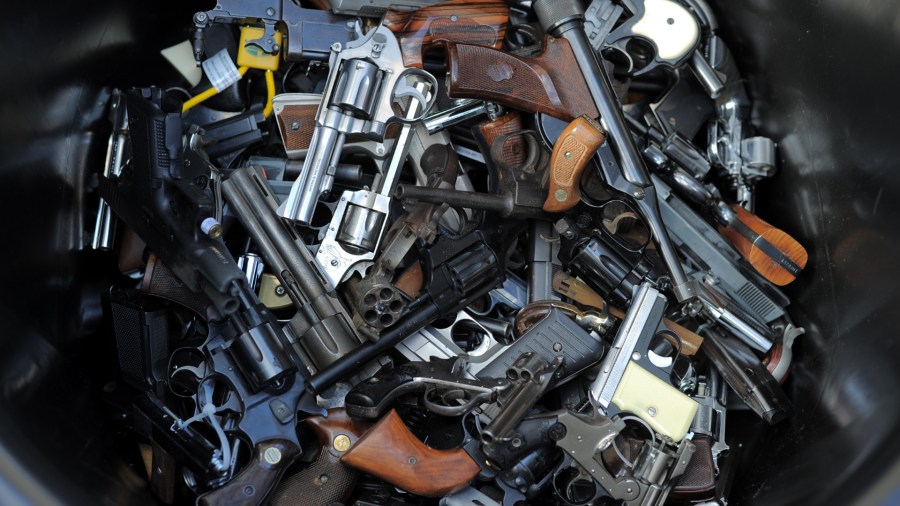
{"x": 550, "y": 83}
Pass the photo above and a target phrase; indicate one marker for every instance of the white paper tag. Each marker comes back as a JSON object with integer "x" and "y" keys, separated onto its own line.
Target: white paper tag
{"x": 220, "y": 70}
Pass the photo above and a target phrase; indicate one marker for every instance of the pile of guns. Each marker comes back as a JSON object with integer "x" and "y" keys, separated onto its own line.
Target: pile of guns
{"x": 468, "y": 252}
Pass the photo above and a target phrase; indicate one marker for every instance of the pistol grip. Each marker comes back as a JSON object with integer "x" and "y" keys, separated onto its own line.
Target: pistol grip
{"x": 550, "y": 83}
{"x": 253, "y": 483}
{"x": 776, "y": 255}
{"x": 391, "y": 452}
{"x": 572, "y": 152}
{"x": 479, "y": 23}
{"x": 326, "y": 481}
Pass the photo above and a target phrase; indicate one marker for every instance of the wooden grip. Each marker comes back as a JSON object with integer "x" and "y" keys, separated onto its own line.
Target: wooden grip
{"x": 296, "y": 124}
{"x": 581, "y": 293}
{"x": 550, "y": 83}
{"x": 470, "y": 22}
{"x": 391, "y": 452}
{"x": 776, "y": 255}
{"x": 326, "y": 481}
{"x": 253, "y": 483}
{"x": 513, "y": 152}
{"x": 573, "y": 150}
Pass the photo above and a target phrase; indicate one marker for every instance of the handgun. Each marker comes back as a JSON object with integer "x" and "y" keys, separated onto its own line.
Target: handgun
{"x": 656, "y": 33}
{"x": 244, "y": 352}
{"x": 640, "y": 361}
{"x": 372, "y": 82}
{"x": 322, "y": 325}
{"x": 391, "y": 452}
{"x": 308, "y": 33}
{"x": 326, "y": 480}
{"x": 460, "y": 271}
{"x": 565, "y": 82}
{"x": 378, "y": 303}
{"x": 772, "y": 252}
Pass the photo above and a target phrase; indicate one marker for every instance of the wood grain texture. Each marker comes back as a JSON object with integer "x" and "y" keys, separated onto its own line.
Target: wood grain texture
{"x": 258, "y": 478}
{"x": 465, "y": 21}
{"x": 572, "y": 152}
{"x": 391, "y": 452}
{"x": 768, "y": 267}
{"x": 550, "y": 83}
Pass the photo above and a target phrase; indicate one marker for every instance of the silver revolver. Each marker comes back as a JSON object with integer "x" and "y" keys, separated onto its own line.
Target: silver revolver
{"x": 368, "y": 87}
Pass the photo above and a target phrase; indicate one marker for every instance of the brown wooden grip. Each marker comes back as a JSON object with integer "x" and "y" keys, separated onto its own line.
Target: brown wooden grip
{"x": 465, "y": 21}
{"x": 391, "y": 452}
{"x": 297, "y": 124}
{"x": 326, "y": 481}
{"x": 513, "y": 152}
{"x": 581, "y": 293}
{"x": 769, "y": 267}
{"x": 573, "y": 150}
{"x": 258, "y": 478}
{"x": 550, "y": 83}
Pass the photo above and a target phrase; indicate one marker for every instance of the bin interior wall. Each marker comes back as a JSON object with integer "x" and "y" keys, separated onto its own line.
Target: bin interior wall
{"x": 823, "y": 76}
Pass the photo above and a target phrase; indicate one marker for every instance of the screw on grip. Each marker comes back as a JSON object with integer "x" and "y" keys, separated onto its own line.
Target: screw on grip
{"x": 571, "y": 154}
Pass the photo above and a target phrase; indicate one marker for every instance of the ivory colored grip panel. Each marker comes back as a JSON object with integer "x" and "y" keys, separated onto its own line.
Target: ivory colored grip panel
{"x": 661, "y": 405}
{"x": 573, "y": 150}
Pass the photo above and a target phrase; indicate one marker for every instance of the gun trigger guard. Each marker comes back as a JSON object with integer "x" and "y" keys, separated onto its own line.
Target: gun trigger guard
{"x": 452, "y": 411}
{"x": 425, "y": 100}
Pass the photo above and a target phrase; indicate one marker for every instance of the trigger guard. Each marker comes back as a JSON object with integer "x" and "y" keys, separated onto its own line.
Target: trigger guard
{"x": 401, "y": 90}
{"x": 452, "y": 411}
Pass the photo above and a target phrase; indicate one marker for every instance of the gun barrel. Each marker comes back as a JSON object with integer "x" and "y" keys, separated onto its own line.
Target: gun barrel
{"x": 503, "y": 204}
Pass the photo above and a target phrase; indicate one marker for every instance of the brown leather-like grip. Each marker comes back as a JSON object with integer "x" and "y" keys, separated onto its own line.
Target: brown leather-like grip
{"x": 698, "y": 483}
{"x": 297, "y": 124}
{"x": 573, "y": 150}
{"x": 550, "y": 83}
{"x": 391, "y": 452}
{"x": 464, "y": 21}
{"x": 258, "y": 478}
{"x": 769, "y": 267}
{"x": 326, "y": 481}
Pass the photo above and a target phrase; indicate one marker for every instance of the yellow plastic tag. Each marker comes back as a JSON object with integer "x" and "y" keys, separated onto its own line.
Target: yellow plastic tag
{"x": 661, "y": 405}
{"x": 254, "y": 57}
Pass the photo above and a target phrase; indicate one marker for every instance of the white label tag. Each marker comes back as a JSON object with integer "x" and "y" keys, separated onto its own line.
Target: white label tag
{"x": 220, "y": 70}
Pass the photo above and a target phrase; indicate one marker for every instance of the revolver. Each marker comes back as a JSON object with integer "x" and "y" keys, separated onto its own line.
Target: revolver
{"x": 372, "y": 82}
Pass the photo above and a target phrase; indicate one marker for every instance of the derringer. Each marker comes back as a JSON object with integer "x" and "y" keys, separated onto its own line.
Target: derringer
{"x": 373, "y": 82}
